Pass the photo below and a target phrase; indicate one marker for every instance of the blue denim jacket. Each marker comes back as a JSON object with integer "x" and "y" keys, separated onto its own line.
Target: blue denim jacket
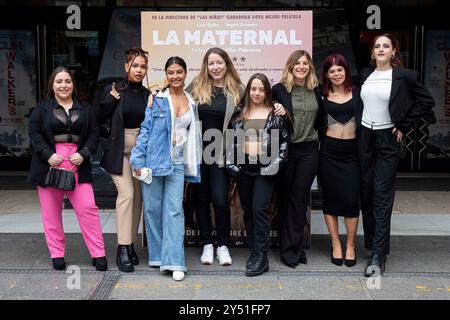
{"x": 154, "y": 144}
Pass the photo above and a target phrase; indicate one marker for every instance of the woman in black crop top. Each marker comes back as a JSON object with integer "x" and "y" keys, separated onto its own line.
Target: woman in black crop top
{"x": 125, "y": 105}
{"x": 64, "y": 133}
{"x": 339, "y": 172}
{"x": 254, "y": 160}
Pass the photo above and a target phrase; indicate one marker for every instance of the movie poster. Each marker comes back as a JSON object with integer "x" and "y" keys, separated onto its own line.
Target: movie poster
{"x": 256, "y": 41}
{"x": 17, "y": 90}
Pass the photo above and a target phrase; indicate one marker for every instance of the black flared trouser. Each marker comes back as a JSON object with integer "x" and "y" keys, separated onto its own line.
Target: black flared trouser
{"x": 379, "y": 156}
{"x": 295, "y": 182}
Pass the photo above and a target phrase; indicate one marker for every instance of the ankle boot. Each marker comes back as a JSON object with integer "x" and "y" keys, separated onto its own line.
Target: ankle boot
{"x": 251, "y": 259}
{"x": 101, "y": 264}
{"x": 134, "y": 257}
{"x": 59, "y": 263}
{"x": 374, "y": 262}
{"x": 123, "y": 258}
{"x": 260, "y": 265}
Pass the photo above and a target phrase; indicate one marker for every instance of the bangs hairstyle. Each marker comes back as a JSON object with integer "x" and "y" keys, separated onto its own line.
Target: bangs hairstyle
{"x": 397, "y": 61}
{"x": 338, "y": 60}
{"x": 247, "y": 102}
{"x": 287, "y": 78}
{"x": 203, "y": 84}
{"x": 50, "y": 92}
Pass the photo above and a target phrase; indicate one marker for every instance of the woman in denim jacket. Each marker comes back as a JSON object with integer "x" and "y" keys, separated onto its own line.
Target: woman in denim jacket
{"x": 169, "y": 145}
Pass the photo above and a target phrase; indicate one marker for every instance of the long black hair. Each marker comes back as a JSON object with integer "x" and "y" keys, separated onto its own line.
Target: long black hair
{"x": 172, "y": 61}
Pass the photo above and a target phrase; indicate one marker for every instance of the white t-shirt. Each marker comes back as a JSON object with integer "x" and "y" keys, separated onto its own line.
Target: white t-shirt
{"x": 375, "y": 94}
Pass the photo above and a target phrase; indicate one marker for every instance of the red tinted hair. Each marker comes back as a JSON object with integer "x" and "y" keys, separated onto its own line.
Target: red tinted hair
{"x": 338, "y": 60}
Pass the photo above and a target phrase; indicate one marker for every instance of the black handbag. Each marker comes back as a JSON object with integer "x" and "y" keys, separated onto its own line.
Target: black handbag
{"x": 60, "y": 179}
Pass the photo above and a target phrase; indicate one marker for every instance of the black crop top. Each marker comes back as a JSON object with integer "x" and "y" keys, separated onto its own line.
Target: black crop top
{"x": 340, "y": 112}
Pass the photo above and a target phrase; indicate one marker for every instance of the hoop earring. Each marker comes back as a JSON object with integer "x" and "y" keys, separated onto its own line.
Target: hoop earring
{"x": 392, "y": 57}
{"x": 373, "y": 57}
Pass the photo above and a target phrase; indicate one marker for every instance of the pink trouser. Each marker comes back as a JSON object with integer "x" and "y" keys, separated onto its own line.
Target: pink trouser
{"x": 83, "y": 202}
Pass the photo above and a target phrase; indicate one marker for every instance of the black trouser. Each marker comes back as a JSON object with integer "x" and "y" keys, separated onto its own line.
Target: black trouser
{"x": 294, "y": 197}
{"x": 214, "y": 187}
{"x": 379, "y": 155}
{"x": 255, "y": 193}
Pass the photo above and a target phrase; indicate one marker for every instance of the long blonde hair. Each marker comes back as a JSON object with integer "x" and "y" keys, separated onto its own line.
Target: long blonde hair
{"x": 203, "y": 84}
{"x": 288, "y": 76}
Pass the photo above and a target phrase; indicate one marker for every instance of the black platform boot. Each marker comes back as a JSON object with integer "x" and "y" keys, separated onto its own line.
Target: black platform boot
{"x": 134, "y": 257}
{"x": 123, "y": 258}
{"x": 260, "y": 265}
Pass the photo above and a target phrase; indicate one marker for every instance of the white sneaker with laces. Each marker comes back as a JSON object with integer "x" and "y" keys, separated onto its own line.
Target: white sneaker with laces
{"x": 207, "y": 255}
{"x": 178, "y": 275}
{"x": 223, "y": 255}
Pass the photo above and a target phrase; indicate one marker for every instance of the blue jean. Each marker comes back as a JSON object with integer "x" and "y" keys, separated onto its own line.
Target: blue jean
{"x": 164, "y": 220}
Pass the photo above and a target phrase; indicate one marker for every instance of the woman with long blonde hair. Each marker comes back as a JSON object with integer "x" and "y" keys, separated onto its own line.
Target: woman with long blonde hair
{"x": 299, "y": 93}
{"x": 217, "y": 89}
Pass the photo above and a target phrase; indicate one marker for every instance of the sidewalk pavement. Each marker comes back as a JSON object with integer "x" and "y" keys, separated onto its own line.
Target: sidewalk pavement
{"x": 417, "y": 268}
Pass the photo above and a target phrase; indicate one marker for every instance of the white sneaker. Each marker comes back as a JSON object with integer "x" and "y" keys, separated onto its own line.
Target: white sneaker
{"x": 223, "y": 255}
{"x": 208, "y": 254}
{"x": 178, "y": 275}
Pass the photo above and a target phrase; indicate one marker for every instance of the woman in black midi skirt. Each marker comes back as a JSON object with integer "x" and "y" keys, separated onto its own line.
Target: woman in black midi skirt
{"x": 339, "y": 172}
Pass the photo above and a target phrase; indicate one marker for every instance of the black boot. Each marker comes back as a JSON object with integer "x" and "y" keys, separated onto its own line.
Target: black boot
{"x": 375, "y": 262}
{"x": 101, "y": 264}
{"x": 123, "y": 258}
{"x": 59, "y": 263}
{"x": 251, "y": 259}
{"x": 302, "y": 259}
{"x": 260, "y": 265}
{"x": 134, "y": 257}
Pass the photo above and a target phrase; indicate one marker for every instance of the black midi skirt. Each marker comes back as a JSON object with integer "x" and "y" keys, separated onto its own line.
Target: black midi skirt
{"x": 339, "y": 177}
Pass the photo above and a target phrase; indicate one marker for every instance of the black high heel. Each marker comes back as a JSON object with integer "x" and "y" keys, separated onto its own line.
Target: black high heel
{"x": 338, "y": 261}
{"x": 350, "y": 262}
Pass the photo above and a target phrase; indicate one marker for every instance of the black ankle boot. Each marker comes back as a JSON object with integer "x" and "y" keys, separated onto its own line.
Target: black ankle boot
{"x": 134, "y": 257}
{"x": 302, "y": 259}
{"x": 251, "y": 259}
{"x": 375, "y": 262}
{"x": 101, "y": 264}
{"x": 260, "y": 265}
{"x": 59, "y": 263}
{"x": 123, "y": 258}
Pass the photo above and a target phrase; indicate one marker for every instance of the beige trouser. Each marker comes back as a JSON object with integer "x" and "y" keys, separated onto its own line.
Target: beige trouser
{"x": 129, "y": 198}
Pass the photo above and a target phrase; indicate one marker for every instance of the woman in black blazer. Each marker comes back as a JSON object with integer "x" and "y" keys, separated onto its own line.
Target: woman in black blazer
{"x": 300, "y": 94}
{"x": 392, "y": 98}
{"x": 125, "y": 105}
{"x": 64, "y": 133}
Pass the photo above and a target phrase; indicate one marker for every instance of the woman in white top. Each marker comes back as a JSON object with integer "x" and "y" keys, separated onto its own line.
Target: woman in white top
{"x": 392, "y": 98}
{"x": 169, "y": 145}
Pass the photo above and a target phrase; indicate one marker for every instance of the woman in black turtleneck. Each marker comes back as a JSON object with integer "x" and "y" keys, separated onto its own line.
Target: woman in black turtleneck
{"x": 125, "y": 105}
